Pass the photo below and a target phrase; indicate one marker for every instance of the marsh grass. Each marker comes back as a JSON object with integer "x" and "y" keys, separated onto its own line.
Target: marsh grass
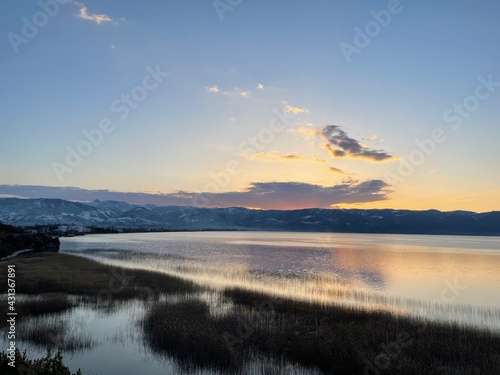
{"x": 46, "y": 303}
{"x": 187, "y": 331}
{"x": 226, "y": 330}
{"x": 332, "y": 339}
{"x": 53, "y": 331}
{"x": 342, "y": 338}
{"x": 38, "y": 273}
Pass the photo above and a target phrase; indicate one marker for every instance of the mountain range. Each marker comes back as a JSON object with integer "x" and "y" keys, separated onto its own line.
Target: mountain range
{"x": 29, "y": 212}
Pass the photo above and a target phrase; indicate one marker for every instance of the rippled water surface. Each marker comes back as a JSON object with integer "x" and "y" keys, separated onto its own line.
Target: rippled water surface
{"x": 453, "y": 278}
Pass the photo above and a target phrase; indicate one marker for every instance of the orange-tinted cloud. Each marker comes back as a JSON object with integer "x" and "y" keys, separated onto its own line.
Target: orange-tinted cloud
{"x": 98, "y": 18}
{"x": 295, "y": 110}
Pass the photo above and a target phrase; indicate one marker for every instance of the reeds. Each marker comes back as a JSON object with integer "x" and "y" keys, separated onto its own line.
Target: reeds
{"x": 331, "y": 338}
{"x": 60, "y": 273}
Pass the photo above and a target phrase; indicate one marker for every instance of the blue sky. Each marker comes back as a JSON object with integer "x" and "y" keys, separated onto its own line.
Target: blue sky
{"x": 230, "y": 73}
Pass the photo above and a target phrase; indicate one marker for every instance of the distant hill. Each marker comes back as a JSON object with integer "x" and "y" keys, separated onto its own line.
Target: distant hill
{"x": 14, "y": 239}
{"x": 27, "y": 212}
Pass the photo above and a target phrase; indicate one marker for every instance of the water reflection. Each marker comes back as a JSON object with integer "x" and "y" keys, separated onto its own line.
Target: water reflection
{"x": 113, "y": 341}
{"x": 444, "y": 278}
{"x": 359, "y": 288}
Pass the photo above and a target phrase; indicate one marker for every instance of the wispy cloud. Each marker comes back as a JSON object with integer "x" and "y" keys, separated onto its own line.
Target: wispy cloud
{"x": 340, "y": 145}
{"x": 266, "y": 195}
{"x": 213, "y": 89}
{"x": 295, "y": 110}
{"x": 307, "y": 133}
{"x": 273, "y": 156}
{"x": 336, "y": 170}
{"x": 11, "y": 196}
{"x": 317, "y": 159}
{"x": 237, "y": 92}
{"x": 97, "y": 18}
{"x": 233, "y": 93}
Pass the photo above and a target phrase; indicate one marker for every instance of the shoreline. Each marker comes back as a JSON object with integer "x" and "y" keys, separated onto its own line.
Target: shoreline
{"x": 17, "y": 253}
{"x": 458, "y": 234}
{"x": 325, "y": 337}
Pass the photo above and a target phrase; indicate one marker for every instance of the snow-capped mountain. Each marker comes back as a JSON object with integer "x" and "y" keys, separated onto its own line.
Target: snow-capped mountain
{"x": 121, "y": 214}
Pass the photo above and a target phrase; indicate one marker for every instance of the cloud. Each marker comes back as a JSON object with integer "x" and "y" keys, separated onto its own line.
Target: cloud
{"x": 317, "y": 159}
{"x": 288, "y": 195}
{"x": 375, "y": 139}
{"x": 234, "y": 93}
{"x": 276, "y": 156}
{"x": 237, "y": 92}
{"x": 11, "y": 196}
{"x": 340, "y": 145}
{"x": 294, "y": 110}
{"x": 308, "y": 133}
{"x": 260, "y": 86}
{"x": 266, "y": 195}
{"x": 85, "y": 15}
{"x": 336, "y": 170}
{"x": 213, "y": 89}
{"x": 270, "y": 156}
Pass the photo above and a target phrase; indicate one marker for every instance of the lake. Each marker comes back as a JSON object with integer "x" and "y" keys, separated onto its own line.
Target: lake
{"x": 439, "y": 278}
{"x": 404, "y": 273}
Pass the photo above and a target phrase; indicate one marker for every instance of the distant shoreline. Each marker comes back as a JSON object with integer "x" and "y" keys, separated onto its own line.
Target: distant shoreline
{"x": 131, "y": 231}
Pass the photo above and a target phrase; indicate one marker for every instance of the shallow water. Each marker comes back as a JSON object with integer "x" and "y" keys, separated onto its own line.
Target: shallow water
{"x": 112, "y": 342}
{"x": 446, "y": 278}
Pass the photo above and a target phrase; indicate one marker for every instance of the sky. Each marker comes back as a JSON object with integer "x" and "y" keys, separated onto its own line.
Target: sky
{"x": 262, "y": 104}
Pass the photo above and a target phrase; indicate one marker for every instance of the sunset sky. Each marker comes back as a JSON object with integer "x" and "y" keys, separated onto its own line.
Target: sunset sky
{"x": 262, "y": 104}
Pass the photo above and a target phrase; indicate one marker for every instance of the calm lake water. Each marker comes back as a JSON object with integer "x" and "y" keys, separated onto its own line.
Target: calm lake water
{"x": 448, "y": 270}
{"x": 444, "y": 278}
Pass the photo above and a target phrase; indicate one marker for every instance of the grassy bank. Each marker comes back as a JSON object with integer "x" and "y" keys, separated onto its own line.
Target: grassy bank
{"x": 332, "y": 339}
{"x": 39, "y": 273}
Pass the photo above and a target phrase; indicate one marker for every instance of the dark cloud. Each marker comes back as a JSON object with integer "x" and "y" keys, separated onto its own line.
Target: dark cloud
{"x": 287, "y": 195}
{"x": 267, "y": 195}
{"x": 341, "y": 145}
{"x": 336, "y": 170}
